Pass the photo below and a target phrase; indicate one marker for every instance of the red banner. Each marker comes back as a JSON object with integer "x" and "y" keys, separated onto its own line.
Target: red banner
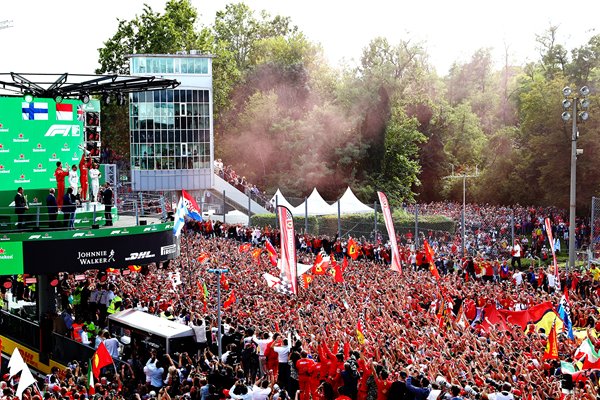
{"x": 288, "y": 247}
{"x": 389, "y": 224}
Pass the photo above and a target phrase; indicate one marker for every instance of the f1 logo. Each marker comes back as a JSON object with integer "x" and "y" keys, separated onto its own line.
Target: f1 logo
{"x": 63, "y": 130}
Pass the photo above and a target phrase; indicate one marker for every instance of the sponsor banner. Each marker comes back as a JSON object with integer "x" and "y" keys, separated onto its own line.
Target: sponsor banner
{"x": 41, "y": 133}
{"x": 99, "y": 252}
{"x": 11, "y": 258}
{"x": 83, "y": 234}
{"x": 31, "y": 357}
{"x": 389, "y": 224}
{"x": 288, "y": 247}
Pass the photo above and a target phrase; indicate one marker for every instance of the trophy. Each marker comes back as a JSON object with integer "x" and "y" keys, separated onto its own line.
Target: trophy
{"x": 86, "y": 151}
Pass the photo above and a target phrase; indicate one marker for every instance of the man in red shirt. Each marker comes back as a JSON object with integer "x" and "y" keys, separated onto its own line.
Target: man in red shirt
{"x": 382, "y": 382}
{"x": 305, "y": 367}
{"x": 60, "y": 174}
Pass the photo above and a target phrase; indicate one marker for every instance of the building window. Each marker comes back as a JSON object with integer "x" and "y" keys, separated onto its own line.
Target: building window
{"x": 170, "y": 129}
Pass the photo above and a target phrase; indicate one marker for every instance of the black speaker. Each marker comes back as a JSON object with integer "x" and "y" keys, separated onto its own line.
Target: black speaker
{"x": 95, "y": 226}
{"x": 143, "y": 222}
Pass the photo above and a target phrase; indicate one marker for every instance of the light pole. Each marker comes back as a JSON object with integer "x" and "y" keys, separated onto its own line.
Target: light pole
{"x": 573, "y": 100}
{"x": 218, "y": 272}
{"x": 464, "y": 177}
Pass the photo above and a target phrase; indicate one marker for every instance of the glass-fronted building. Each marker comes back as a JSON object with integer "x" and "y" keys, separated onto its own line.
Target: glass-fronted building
{"x": 171, "y": 130}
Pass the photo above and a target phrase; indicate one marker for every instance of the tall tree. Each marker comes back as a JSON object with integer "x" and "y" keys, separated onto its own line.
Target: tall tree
{"x": 400, "y": 167}
{"x": 238, "y": 27}
{"x": 150, "y": 32}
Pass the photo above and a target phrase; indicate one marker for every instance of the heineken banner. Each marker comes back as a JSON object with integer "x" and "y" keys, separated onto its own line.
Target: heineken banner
{"x": 11, "y": 258}
{"x": 34, "y": 136}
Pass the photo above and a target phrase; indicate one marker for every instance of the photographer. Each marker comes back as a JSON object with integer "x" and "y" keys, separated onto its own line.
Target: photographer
{"x": 154, "y": 372}
{"x": 418, "y": 386}
{"x": 239, "y": 391}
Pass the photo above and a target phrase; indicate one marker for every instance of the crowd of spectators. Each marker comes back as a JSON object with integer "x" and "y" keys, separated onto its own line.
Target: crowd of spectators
{"x": 241, "y": 183}
{"x": 488, "y": 227}
{"x": 306, "y": 346}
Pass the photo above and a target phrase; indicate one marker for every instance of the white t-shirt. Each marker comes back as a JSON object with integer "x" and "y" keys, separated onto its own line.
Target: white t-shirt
{"x": 94, "y": 174}
{"x": 283, "y": 353}
{"x": 262, "y": 344}
{"x": 551, "y": 280}
{"x": 85, "y": 339}
{"x": 517, "y": 250}
{"x": 259, "y": 393}
{"x": 518, "y": 277}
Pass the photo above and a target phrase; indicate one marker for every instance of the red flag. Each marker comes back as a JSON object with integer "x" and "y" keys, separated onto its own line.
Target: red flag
{"x": 430, "y": 255}
{"x": 245, "y": 247}
{"x": 256, "y": 254}
{"x": 344, "y": 264}
{"x": 230, "y": 300}
{"x": 112, "y": 271}
{"x": 100, "y": 359}
{"x": 337, "y": 277}
{"x": 224, "y": 282}
{"x": 551, "y": 352}
{"x": 135, "y": 268}
{"x": 272, "y": 252}
{"x": 203, "y": 257}
{"x": 353, "y": 249}
{"x": 320, "y": 265}
{"x": 306, "y": 280}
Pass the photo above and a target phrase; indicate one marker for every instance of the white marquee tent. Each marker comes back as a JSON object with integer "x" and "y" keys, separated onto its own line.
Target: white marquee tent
{"x": 316, "y": 206}
{"x": 281, "y": 201}
{"x": 350, "y": 204}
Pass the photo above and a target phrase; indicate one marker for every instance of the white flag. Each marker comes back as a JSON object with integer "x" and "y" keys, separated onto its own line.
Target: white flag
{"x": 26, "y": 380}
{"x": 16, "y": 363}
{"x": 180, "y": 214}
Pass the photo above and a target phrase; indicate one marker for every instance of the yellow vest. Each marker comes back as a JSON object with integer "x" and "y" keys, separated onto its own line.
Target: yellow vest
{"x": 113, "y": 304}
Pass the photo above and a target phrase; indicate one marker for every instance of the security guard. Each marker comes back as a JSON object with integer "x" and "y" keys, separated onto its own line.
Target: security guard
{"x": 115, "y": 304}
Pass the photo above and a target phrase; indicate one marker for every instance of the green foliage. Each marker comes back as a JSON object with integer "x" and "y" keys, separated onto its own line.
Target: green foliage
{"x": 400, "y": 168}
{"x": 465, "y": 139}
{"x": 242, "y": 32}
{"x": 150, "y": 33}
{"x": 286, "y": 119}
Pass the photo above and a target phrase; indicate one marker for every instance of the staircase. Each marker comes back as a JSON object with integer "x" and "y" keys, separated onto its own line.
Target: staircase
{"x": 235, "y": 198}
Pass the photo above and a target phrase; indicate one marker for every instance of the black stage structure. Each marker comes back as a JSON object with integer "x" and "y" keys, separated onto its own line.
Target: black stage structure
{"x": 39, "y": 343}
